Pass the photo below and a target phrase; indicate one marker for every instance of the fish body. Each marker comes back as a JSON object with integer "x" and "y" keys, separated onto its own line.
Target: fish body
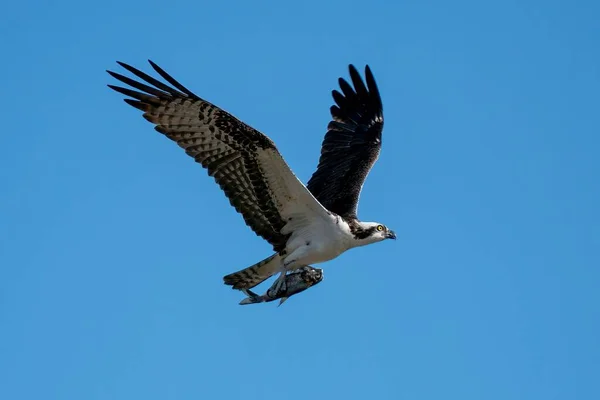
{"x": 295, "y": 282}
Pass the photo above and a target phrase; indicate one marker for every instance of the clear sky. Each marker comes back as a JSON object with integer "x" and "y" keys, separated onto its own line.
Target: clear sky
{"x": 113, "y": 243}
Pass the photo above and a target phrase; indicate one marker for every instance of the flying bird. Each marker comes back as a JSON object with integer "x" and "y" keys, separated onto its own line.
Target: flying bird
{"x": 304, "y": 224}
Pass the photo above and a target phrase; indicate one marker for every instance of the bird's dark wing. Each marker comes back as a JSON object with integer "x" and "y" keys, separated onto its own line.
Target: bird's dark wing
{"x": 244, "y": 162}
{"x": 351, "y": 145}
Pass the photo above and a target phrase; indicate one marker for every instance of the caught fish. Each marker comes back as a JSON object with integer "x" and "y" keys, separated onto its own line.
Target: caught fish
{"x": 295, "y": 283}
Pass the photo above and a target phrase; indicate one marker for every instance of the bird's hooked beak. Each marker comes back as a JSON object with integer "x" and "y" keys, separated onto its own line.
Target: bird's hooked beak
{"x": 390, "y": 235}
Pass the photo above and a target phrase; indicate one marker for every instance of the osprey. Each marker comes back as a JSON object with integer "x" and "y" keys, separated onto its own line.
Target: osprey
{"x": 305, "y": 224}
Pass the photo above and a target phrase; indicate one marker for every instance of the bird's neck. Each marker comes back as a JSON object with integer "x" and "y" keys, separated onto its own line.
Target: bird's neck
{"x": 362, "y": 232}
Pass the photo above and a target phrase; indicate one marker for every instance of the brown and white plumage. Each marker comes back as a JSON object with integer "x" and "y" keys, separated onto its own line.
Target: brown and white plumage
{"x": 244, "y": 162}
{"x": 303, "y": 226}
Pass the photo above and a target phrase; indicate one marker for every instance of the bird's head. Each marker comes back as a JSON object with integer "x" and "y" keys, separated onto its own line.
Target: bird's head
{"x": 372, "y": 232}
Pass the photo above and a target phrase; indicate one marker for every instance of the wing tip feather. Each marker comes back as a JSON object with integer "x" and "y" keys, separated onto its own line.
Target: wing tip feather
{"x": 137, "y": 104}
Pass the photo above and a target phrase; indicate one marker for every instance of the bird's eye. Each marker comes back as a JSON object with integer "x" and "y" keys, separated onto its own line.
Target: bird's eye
{"x": 380, "y": 227}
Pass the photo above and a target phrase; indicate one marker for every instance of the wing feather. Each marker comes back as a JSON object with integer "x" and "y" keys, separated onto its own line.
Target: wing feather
{"x": 244, "y": 162}
{"x": 351, "y": 145}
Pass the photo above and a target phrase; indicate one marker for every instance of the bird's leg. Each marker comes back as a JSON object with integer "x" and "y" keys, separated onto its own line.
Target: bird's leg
{"x": 293, "y": 261}
{"x": 290, "y": 263}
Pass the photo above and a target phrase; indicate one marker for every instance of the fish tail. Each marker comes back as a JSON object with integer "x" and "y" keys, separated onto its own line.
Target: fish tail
{"x": 252, "y": 298}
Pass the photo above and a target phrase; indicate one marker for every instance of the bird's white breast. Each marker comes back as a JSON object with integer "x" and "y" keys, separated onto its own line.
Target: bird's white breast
{"x": 324, "y": 239}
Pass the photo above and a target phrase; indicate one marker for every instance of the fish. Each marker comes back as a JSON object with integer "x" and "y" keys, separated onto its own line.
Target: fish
{"x": 295, "y": 282}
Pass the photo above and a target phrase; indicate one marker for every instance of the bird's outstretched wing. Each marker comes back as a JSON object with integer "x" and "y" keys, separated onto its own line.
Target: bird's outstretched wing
{"x": 351, "y": 145}
{"x": 244, "y": 162}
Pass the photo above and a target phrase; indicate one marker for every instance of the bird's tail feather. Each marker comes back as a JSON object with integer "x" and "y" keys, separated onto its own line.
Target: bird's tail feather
{"x": 255, "y": 274}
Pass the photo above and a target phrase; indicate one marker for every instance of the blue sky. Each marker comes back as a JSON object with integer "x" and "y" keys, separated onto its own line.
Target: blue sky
{"x": 113, "y": 242}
